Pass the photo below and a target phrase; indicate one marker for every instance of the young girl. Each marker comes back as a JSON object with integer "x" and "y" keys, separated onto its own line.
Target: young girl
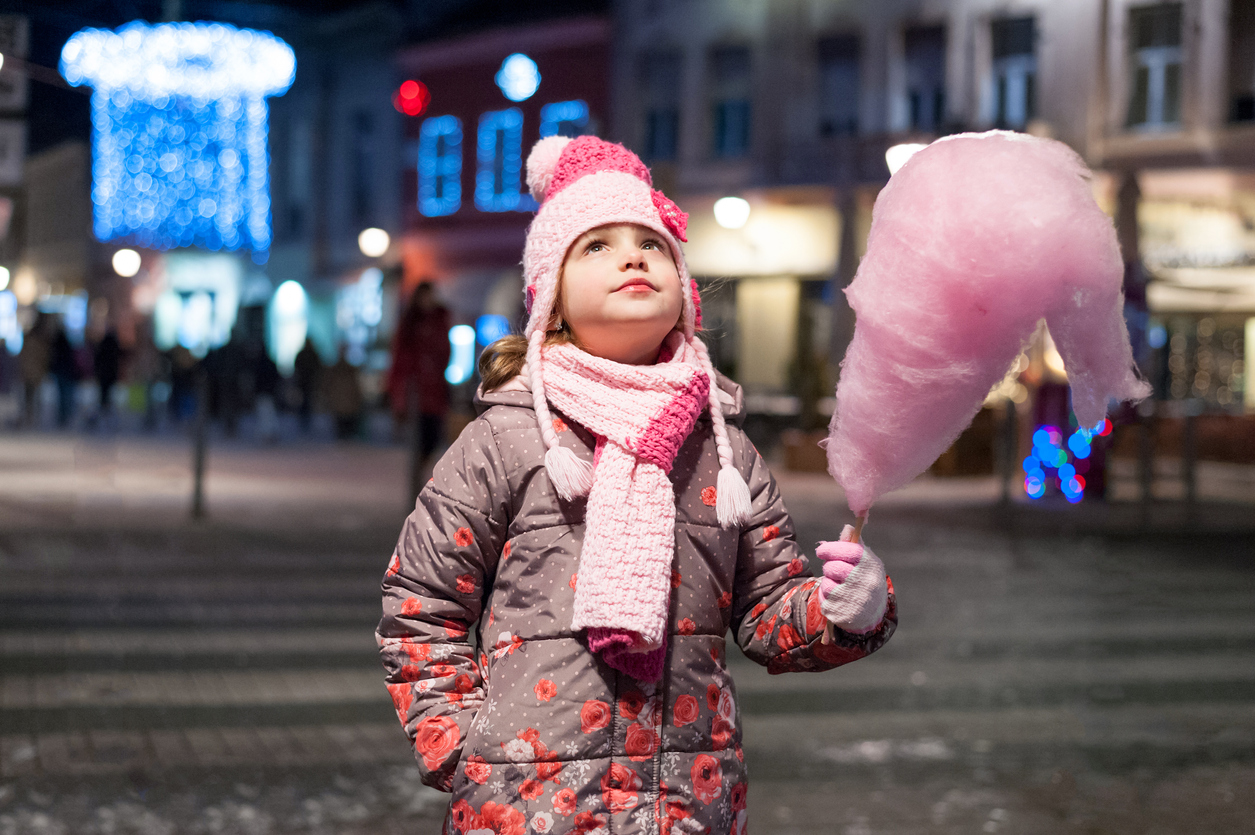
{"x": 600, "y": 528}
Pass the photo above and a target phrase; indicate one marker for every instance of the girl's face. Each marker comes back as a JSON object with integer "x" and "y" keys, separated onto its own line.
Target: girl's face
{"x": 621, "y": 292}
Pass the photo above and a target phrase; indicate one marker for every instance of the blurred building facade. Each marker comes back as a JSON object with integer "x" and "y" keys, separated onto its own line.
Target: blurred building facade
{"x": 792, "y": 104}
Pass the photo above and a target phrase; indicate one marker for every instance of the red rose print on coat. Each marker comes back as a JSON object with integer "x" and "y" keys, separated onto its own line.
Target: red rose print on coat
{"x": 676, "y": 578}
{"x": 594, "y": 715}
{"x": 707, "y": 777}
{"x": 505, "y": 552}
{"x": 500, "y": 819}
{"x": 618, "y": 788}
{"x": 630, "y": 704}
{"x": 478, "y": 770}
{"x": 686, "y": 626}
{"x": 463, "y": 537}
{"x": 415, "y": 650}
{"x": 463, "y": 815}
{"x": 466, "y": 583}
{"x": 412, "y": 606}
{"x": 725, "y": 600}
{"x": 709, "y": 496}
{"x": 394, "y": 565}
{"x": 686, "y": 710}
{"x": 564, "y": 802}
{"x": 435, "y": 738}
{"x": 770, "y": 532}
{"x": 586, "y": 822}
{"x": 545, "y": 690}
{"x": 455, "y": 629}
{"x": 796, "y": 566}
{"x": 721, "y": 731}
{"x": 788, "y": 638}
{"x": 402, "y": 697}
{"x": 765, "y": 627}
{"x": 531, "y": 789}
{"x": 712, "y": 696}
{"x": 559, "y": 425}
{"x": 814, "y": 615}
{"x": 640, "y": 742}
{"x": 506, "y": 645}
{"x": 574, "y": 578}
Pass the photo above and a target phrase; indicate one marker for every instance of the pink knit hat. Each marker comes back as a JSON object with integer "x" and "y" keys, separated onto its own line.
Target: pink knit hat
{"x": 581, "y": 184}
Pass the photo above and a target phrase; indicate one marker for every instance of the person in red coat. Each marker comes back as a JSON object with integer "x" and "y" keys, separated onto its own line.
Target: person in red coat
{"x": 420, "y": 354}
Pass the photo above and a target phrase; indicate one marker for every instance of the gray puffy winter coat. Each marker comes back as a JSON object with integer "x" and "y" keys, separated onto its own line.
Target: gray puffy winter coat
{"x": 506, "y": 706}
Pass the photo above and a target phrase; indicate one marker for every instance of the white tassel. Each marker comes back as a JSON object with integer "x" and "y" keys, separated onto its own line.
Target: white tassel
{"x": 570, "y": 474}
{"x": 733, "y": 505}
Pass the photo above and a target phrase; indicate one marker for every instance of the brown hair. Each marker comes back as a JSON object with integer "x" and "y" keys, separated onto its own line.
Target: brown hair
{"x": 504, "y": 359}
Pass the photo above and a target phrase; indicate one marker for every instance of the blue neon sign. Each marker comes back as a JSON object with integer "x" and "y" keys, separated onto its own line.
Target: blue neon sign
{"x": 499, "y": 152}
{"x": 563, "y": 118}
{"x": 440, "y": 166}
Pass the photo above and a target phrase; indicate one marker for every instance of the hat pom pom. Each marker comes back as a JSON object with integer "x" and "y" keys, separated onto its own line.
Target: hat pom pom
{"x": 542, "y": 162}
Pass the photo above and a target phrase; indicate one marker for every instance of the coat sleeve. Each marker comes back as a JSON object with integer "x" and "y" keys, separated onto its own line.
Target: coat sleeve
{"x": 434, "y": 591}
{"x": 775, "y": 608}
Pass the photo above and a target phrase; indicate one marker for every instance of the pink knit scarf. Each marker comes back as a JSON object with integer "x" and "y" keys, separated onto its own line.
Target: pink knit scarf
{"x": 641, "y": 415}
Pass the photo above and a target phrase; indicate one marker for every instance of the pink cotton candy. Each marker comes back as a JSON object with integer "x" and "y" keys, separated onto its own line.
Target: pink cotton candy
{"x": 973, "y": 241}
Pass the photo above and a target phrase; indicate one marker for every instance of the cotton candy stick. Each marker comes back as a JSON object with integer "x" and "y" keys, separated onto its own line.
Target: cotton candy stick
{"x": 973, "y": 241}
{"x": 855, "y": 537}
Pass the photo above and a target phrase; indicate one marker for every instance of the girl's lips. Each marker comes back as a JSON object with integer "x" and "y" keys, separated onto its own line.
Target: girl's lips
{"x": 636, "y": 285}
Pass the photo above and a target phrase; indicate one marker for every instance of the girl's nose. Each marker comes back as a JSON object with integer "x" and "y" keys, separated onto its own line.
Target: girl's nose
{"x": 634, "y": 258}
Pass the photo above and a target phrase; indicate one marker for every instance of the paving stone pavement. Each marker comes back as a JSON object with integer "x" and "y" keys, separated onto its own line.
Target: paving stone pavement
{"x": 1057, "y": 669}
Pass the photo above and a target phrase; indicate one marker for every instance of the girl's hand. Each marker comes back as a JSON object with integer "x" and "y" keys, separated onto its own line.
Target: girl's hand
{"x": 853, "y": 593}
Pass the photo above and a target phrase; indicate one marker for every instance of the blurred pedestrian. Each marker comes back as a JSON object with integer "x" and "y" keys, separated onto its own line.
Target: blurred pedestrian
{"x": 416, "y": 386}
{"x": 34, "y": 360}
{"x": 106, "y": 364}
{"x": 66, "y": 370}
{"x": 306, "y": 371}
{"x": 342, "y": 392}
{"x": 528, "y": 501}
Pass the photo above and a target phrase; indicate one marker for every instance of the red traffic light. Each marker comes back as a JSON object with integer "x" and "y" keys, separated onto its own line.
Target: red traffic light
{"x": 412, "y": 98}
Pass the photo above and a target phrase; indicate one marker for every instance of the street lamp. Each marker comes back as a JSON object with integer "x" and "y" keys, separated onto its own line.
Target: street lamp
{"x": 126, "y": 262}
{"x": 373, "y": 242}
{"x": 732, "y": 212}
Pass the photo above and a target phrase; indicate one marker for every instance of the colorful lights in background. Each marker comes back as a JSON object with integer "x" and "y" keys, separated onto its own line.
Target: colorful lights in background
{"x": 499, "y": 152}
{"x": 564, "y": 118}
{"x": 518, "y": 78}
{"x": 287, "y": 323}
{"x": 440, "y": 166}
{"x": 10, "y": 327}
{"x": 490, "y": 327}
{"x": 412, "y": 98}
{"x": 359, "y": 310}
{"x": 179, "y": 125}
{"x": 462, "y": 356}
{"x": 1054, "y": 462}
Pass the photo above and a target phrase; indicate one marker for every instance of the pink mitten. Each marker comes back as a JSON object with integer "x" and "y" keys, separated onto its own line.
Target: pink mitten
{"x": 853, "y": 594}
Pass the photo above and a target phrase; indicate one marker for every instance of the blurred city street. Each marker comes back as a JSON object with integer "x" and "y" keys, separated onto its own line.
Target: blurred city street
{"x": 1057, "y": 669}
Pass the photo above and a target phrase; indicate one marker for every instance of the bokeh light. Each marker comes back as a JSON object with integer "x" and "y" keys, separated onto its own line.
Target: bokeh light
{"x": 412, "y": 98}
{"x": 126, "y": 262}
{"x": 179, "y": 124}
{"x": 519, "y": 77}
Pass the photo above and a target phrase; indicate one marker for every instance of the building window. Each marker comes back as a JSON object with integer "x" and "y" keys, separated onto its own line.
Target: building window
{"x": 440, "y": 166}
{"x": 925, "y": 49}
{"x": 1155, "y": 65}
{"x": 564, "y": 118}
{"x": 364, "y": 168}
{"x": 730, "y": 88}
{"x": 660, "y": 77}
{"x": 838, "y": 85}
{"x": 1014, "y": 72}
{"x": 1242, "y": 62}
{"x": 499, "y": 151}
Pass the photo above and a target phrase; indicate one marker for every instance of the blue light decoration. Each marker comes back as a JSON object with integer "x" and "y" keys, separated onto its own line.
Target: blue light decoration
{"x": 179, "y": 125}
{"x": 1049, "y": 464}
{"x": 10, "y": 328}
{"x": 359, "y": 310}
{"x": 518, "y": 78}
{"x": 490, "y": 327}
{"x": 564, "y": 118}
{"x": 440, "y": 166}
{"x": 499, "y": 152}
{"x": 462, "y": 354}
